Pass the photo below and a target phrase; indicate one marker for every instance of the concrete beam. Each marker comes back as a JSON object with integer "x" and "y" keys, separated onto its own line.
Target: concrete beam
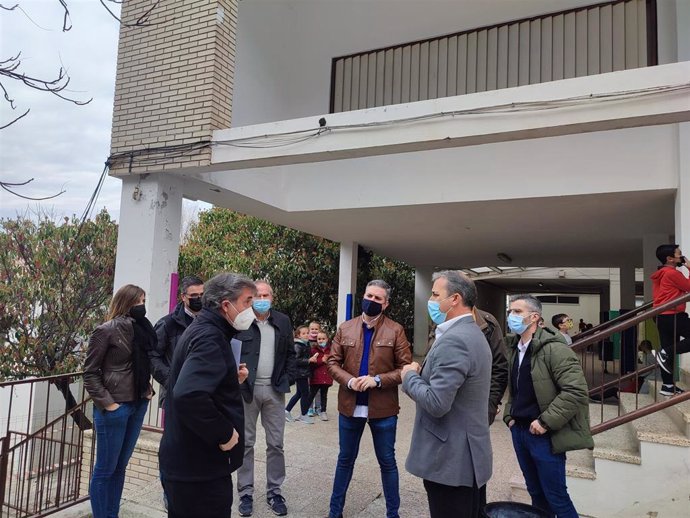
{"x": 655, "y": 95}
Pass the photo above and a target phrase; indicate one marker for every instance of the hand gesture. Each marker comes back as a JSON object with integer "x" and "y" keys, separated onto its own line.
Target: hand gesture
{"x": 363, "y": 383}
{"x": 242, "y": 372}
{"x": 231, "y": 443}
{"x": 313, "y": 358}
{"x": 410, "y": 367}
{"x": 535, "y": 428}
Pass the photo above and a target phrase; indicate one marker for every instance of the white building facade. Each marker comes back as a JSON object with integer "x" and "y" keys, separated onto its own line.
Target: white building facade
{"x": 441, "y": 133}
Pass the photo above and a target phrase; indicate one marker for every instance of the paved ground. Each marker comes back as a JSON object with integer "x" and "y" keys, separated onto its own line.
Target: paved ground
{"x": 311, "y": 452}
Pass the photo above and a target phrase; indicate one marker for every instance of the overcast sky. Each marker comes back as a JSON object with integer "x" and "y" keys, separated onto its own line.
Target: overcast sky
{"x": 61, "y": 145}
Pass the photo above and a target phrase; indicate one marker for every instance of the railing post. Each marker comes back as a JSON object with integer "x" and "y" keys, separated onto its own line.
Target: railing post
{"x": 4, "y": 459}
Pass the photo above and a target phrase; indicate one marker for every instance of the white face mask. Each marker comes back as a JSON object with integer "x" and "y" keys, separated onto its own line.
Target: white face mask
{"x": 244, "y": 319}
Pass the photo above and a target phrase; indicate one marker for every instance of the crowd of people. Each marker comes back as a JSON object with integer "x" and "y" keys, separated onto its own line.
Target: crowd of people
{"x": 225, "y": 357}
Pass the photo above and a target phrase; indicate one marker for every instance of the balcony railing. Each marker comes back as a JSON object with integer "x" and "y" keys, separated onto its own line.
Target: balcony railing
{"x": 586, "y": 41}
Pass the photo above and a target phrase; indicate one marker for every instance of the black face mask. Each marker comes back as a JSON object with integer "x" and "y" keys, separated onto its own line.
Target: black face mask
{"x": 195, "y": 304}
{"x": 138, "y": 312}
{"x": 371, "y": 308}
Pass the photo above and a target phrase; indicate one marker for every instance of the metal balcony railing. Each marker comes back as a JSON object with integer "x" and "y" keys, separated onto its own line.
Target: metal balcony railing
{"x": 585, "y": 41}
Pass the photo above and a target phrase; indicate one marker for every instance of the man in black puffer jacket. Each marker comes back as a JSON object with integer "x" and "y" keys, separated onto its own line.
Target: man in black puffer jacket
{"x": 169, "y": 329}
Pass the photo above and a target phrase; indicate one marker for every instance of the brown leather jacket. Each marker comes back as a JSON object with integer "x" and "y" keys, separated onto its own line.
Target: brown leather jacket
{"x": 499, "y": 363}
{"x": 108, "y": 372}
{"x": 389, "y": 351}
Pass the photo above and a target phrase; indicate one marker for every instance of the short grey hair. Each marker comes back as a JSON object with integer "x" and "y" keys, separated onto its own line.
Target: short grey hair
{"x": 266, "y": 283}
{"x": 381, "y": 284}
{"x": 225, "y": 286}
{"x": 533, "y": 303}
{"x": 459, "y": 283}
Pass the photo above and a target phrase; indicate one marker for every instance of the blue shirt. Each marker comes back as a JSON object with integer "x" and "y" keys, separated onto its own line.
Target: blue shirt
{"x": 363, "y": 397}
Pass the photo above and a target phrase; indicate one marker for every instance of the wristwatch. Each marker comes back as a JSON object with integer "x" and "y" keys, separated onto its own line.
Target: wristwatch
{"x": 377, "y": 379}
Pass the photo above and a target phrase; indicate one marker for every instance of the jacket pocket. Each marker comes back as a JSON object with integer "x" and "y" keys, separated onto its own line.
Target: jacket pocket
{"x": 438, "y": 430}
{"x": 348, "y": 342}
{"x": 385, "y": 342}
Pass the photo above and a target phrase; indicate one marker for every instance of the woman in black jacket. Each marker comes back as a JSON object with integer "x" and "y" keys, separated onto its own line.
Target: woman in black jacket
{"x": 117, "y": 376}
{"x": 304, "y": 360}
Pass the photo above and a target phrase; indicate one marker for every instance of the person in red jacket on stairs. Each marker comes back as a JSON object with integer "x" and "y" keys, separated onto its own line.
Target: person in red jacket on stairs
{"x": 667, "y": 284}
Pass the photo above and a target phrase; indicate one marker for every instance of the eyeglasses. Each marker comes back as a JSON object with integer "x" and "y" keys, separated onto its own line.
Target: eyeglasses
{"x": 194, "y": 296}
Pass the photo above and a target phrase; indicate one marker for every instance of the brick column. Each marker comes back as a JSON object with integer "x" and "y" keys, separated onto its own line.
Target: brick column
{"x": 173, "y": 85}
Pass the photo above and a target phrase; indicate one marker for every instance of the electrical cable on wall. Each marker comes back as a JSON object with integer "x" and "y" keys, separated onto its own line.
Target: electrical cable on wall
{"x": 152, "y": 156}
{"x": 285, "y": 138}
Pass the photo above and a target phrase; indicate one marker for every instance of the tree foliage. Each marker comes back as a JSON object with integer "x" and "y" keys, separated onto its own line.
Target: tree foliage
{"x": 57, "y": 280}
{"x": 302, "y": 268}
{"x": 399, "y": 275}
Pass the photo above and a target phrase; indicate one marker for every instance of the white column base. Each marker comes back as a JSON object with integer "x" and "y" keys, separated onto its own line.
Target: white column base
{"x": 422, "y": 292}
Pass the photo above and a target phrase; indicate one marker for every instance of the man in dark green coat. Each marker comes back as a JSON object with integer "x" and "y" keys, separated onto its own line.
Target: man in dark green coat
{"x": 548, "y": 405}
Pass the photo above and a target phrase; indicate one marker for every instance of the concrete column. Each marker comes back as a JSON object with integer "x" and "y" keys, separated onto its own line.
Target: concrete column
{"x": 683, "y": 205}
{"x": 422, "y": 292}
{"x": 614, "y": 289}
{"x": 347, "y": 279}
{"x": 683, "y": 194}
{"x": 627, "y": 286}
{"x": 649, "y": 261}
{"x": 148, "y": 242}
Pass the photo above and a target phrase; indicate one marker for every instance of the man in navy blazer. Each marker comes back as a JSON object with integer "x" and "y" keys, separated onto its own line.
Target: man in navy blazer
{"x": 451, "y": 445}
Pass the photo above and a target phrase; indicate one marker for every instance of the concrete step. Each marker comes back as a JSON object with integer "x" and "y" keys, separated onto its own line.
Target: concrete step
{"x": 618, "y": 444}
{"x": 657, "y": 428}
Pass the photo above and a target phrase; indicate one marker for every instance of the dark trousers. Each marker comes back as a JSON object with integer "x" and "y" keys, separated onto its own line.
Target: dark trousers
{"x": 302, "y": 395}
{"x": 672, "y": 327}
{"x": 350, "y": 430}
{"x": 315, "y": 389}
{"x": 207, "y": 498}
{"x": 453, "y": 501}
{"x": 544, "y": 472}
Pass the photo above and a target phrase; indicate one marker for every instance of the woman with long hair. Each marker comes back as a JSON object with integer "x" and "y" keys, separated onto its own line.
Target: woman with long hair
{"x": 117, "y": 376}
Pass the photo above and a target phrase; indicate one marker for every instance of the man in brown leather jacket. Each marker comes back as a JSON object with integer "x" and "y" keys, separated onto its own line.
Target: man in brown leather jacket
{"x": 499, "y": 363}
{"x": 367, "y": 355}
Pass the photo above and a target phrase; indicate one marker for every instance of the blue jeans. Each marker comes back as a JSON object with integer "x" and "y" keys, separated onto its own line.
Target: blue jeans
{"x": 544, "y": 472}
{"x": 116, "y": 435}
{"x": 350, "y": 431}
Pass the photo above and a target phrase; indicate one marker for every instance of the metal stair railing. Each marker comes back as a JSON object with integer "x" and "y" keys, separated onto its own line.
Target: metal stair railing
{"x": 629, "y": 381}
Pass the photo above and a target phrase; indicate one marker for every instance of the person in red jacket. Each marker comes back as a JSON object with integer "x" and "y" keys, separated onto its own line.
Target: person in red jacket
{"x": 667, "y": 284}
{"x": 320, "y": 380}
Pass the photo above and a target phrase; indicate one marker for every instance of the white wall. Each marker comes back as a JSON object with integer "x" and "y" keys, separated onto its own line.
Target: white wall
{"x": 285, "y": 47}
{"x": 573, "y": 164}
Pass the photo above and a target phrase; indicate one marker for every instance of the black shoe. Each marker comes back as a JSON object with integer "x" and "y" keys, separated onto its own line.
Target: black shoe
{"x": 246, "y": 507}
{"x": 670, "y": 390}
{"x": 662, "y": 358}
{"x": 277, "y": 505}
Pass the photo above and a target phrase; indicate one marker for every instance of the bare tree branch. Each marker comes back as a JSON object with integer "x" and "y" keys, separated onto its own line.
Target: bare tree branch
{"x": 66, "y": 20}
{"x": 142, "y": 21}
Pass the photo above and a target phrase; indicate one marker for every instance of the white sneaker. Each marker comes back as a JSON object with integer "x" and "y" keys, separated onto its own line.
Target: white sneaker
{"x": 305, "y": 419}
{"x": 288, "y": 416}
{"x": 323, "y": 416}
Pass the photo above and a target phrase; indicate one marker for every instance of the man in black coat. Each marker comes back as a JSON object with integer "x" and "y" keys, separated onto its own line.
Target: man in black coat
{"x": 203, "y": 440}
{"x": 169, "y": 329}
{"x": 268, "y": 350}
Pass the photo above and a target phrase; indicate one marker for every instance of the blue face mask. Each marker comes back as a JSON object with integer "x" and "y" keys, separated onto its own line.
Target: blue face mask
{"x": 437, "y": 316}
{"x": 261, "y": 305}
{"x": 516, "y": 324}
